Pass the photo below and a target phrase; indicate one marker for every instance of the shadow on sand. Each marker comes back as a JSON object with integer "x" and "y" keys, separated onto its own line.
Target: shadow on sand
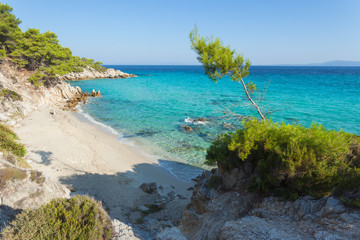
{"x": 120, "y": 192}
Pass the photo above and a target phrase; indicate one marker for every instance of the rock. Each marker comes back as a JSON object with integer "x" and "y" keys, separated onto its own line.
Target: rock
{"x": 187, "y": 128}
{"x": 122, "y": 231}
{"x": 254, "y": 228}
{"x": 332, "y": 206}
{"x": 91, "y": 73}
{"x": 52, "y": 112}
{"x": 21, "y": 194}
{"x": 239, "y": 214}
{"x": 143, "y": 208}
{"x": 148, "y": 187}
{"x": 181, "y": 197}
{"x": 170, "y": 234}
{"x": 171, "y": 195}
{"x": 78, "y": 89}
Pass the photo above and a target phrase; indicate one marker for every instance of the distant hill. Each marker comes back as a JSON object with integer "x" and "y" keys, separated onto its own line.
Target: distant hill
{"x": 336, "y": 63}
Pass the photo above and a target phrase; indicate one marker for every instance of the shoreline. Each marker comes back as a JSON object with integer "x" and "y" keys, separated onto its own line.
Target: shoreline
{"x": 91, "y": 161}
{"x": 144, "y": 148}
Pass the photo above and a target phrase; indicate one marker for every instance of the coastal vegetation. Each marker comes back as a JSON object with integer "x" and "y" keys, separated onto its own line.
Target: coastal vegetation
{"x": 80, "y": 217}
{"x": 9, "y": 144}
{"x": 220, "y": 61}
{"x": 38, "y": 52}
{"x": 281, "y": 159}
{"x": 290, "y": 160}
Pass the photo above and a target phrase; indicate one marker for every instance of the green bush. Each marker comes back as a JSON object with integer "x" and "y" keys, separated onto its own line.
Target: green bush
{"x": 8, "y": 142}
{"x": 289, "y": 160}
{"x": 36, "y": 51}
{"x": 80, "y": 217}
{"x": 10, "y": 94}
{"x": 2, "y": 53}
{"x": 37, "y": 79}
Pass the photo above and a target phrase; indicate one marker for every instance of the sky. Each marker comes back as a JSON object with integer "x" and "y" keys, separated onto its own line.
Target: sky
{"x": 156, "y": 32}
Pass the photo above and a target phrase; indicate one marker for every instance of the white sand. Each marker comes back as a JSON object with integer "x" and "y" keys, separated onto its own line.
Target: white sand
{"x": 80, "y": 155}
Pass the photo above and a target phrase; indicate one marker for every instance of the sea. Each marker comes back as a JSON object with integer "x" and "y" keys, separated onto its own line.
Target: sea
{"x": 150, "y": 112}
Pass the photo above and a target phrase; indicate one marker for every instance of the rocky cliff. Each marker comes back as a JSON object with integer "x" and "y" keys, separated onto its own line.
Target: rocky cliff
{"x": 221, "y": 209}
{"x": 90, "y": 73}
{"x": 18, "y": 96}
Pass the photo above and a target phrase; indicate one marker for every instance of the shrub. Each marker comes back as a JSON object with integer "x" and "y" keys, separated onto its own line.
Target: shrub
{"x": 37, "y": 79}
{"x": 8, "y": 142}
{"x": 10, "y": 94}
{"x": 2, "y": 54}
{"x": 10, "y": 173}
{"x": 289, "y": 160}
{"x": 80, "y": 217}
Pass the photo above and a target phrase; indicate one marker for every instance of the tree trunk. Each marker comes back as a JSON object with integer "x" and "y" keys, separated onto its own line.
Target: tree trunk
{"x": 250, "y": 99}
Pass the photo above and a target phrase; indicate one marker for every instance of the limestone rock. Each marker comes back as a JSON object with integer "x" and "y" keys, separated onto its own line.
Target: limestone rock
{"x": 122, "y": 231}
{"x": 170, "y": 234}
{"x": 238, "y": 214}
{"x": 91, "y": 73}
{"x": 30, "y": 194}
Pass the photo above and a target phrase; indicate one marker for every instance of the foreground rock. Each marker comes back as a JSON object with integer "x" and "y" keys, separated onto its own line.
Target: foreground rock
{"x": 148, "y": 187}
{"x": 219, "y": 214}
{"x": 90, "y": 73}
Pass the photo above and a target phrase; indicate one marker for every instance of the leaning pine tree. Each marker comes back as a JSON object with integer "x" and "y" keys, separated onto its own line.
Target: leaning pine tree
{"x": 220, "y": 61}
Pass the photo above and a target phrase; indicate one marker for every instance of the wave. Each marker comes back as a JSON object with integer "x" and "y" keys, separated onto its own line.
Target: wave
{"x": 102, "y": 125}
{"x": 181, "y": 171}
{"x": 195, "y": 121}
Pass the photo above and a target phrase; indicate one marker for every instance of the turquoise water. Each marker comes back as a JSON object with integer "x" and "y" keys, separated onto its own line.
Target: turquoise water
{"x": 150, "y": 110}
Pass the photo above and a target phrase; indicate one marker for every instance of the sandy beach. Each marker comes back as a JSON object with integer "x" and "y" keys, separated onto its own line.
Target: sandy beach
{"x": 90, "y": 161}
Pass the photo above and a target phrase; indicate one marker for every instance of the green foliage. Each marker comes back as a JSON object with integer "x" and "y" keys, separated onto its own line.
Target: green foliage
{"x": 2, "y": 53}
{"x": 10, "y": 94}
{"x": 219, "y": 60}
{"x": 8, "y": 142}
{"x": 80, "y": 217}
{"x": 290, "y": 160}
{"x": 37, "y": 79}
{"x": 9, "y": 28}
{"x": 38, "y": 51}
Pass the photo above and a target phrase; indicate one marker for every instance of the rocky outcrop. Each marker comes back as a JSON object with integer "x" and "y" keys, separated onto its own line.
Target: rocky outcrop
{"x": 24, "y": 188}
{"x": 123, "y": 231}
{"x": 79, "y": 97}
{"x": 219, "y": 212}
{"x": 16, "y": 80}
{"x": 91, "y": 73}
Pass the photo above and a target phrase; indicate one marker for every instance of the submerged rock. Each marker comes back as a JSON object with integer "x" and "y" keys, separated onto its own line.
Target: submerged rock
{"x": 187, "y": 128}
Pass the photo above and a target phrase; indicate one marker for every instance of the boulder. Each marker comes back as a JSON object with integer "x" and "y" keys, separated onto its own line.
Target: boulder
{"x": 148, "y": 187}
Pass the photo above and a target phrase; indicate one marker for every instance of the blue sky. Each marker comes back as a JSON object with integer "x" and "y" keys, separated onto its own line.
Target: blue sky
{"x": 157, "y": 31}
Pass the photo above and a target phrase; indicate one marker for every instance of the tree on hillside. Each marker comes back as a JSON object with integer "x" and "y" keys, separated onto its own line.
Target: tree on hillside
{"x": 220, "y": 61}
{"x": 37, "y": 49}
{"x": 38, "y": 52}
{"x": 9, "y": 28}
